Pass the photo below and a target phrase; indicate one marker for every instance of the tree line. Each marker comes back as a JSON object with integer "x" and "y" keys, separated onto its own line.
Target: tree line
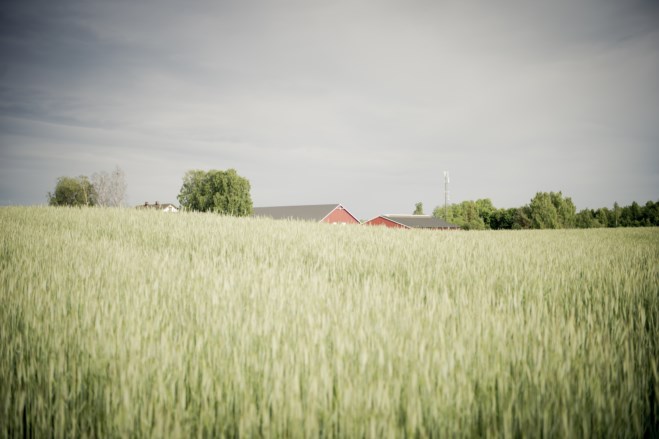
{"x": 547, "y": 210}
{"x": 228, "y": 193}
{"x": 217, "y": 191}
{"x": 106, "y": 189}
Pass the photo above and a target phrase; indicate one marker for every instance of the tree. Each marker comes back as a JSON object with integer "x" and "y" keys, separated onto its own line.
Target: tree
{"x": 191, "y": 196}
{"x": 110, "y": 187}
{"x": 471, "y": 219}
{"x": 440, "y": 212}
{"x": 585, "y": 219}
{"x": 503, "y": 219}
{"x": 543, "y": 212}
{"x": 602, "y": 217}
{"x": 465, "y": 215}
{"x": 418, "y": 208}
{"x": 549, "y": 210}
{"x": 73, "y": 191}
{"x": 217, "y": 191}
{"x": 567, "y": 212}
{"x": 651, "y": 213}
{"x": 485, "y": 210}
{"x": 522, "y": 218}
{"x": 635, "y": 213}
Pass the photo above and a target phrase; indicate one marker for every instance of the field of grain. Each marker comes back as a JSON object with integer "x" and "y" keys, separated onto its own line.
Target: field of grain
{"x": 139, "y": 323}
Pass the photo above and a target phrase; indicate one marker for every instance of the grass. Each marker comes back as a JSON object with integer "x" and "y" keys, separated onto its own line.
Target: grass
{"x": 144, "y": 324}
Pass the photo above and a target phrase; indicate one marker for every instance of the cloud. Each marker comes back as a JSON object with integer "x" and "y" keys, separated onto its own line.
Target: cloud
{"x": 363, "y": 103}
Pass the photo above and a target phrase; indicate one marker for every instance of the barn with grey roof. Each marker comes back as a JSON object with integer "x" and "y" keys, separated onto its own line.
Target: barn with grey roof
{"x": 411, "y": 222}
{"x": 320, "y": 213}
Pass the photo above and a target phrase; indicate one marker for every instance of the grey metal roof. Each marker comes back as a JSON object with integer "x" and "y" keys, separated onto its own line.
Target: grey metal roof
{"x": 421, "y": 221}
{"x": 306, "y": 213}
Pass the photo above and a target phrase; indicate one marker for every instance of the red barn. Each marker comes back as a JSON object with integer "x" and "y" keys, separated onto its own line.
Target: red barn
{"x": 411, "y": 222}
{"x": 320, "y": 213}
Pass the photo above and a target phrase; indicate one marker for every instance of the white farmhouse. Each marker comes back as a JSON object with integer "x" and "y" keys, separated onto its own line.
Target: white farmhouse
{"x": 166, "y": 207}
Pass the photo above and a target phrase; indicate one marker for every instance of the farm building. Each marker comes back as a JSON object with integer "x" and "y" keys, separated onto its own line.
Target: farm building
{"x": 321, "y": 213}
{"x": 411, "y": 222}
{"x": 166, "y": 207}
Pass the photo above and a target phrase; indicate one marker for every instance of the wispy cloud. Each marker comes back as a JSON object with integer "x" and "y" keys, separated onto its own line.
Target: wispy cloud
{"x": 363, "y": 103}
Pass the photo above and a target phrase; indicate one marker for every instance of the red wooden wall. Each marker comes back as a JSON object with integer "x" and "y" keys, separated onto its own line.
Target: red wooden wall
{"x": 340, "y": 216}
{"x": 379, "y": 221}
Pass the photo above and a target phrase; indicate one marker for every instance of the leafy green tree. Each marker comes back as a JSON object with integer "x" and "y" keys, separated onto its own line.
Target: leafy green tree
{"x": 523, "y": 218}
{"x": 635, "y": 214}
{"x": 543, "y": 212}
{"x": 447, "y": 214}
{"x": 465, "y": 215}
{"x": 584, "y": 219}
{"x": 625, "y": 217}
{"x": 651, "y": 213}
{"x": 455, "y": 214}
{"x": 550, "y": 210}
{"x": 470, "y": 216}
{"x": 603, "y": 217}
{"x": 485, "y": 210}
{"x": 217, "y": 191}
{"x": 418, "y": 209}
{"x": 565, "y": 209}
{"x": 229, "y": 193}
{"x": 592, "y": 219}
{"x": 73, "y": 191}
{"x": 438, "y": 212}
{"x": 503, "y": 219}
{"x": 191, "y": 195}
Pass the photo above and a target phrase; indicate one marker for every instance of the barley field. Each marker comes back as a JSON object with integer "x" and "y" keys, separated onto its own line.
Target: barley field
{"x": 122, "y": 323}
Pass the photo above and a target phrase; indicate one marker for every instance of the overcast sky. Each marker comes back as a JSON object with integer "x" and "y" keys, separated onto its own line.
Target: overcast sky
{"x": 363, "y": 103}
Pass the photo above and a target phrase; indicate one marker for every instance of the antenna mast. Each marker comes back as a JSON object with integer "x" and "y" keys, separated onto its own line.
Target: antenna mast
{"x": 446, "y": 181}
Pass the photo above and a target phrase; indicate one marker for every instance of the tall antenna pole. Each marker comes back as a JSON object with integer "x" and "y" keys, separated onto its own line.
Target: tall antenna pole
{"x": 446, "y": 181}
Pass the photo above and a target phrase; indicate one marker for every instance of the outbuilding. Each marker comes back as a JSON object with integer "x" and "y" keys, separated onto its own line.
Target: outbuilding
{"x": 320, "y": 213}
{"x": 164, "y": 207}
{"x": 411, "y": 222}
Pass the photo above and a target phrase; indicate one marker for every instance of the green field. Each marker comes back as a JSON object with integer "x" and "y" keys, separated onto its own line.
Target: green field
{"x": 144, "y": 324}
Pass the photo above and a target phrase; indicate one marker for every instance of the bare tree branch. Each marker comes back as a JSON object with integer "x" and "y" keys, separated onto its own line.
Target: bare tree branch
{"x": 110, "y": 187}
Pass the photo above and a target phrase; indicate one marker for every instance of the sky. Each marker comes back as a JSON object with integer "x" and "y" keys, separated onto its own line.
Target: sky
{"x": 363, "y": 103}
